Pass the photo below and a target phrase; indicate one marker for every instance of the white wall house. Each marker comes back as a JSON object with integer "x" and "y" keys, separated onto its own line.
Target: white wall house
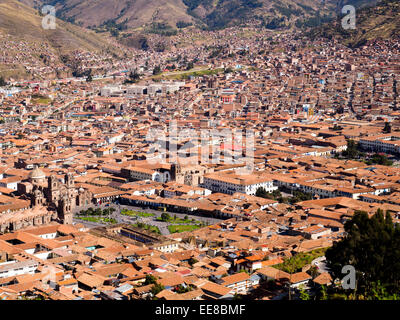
{"x": 10, "y": 182}
{"x": 386, "y": 143}
{"x": 166, "y": 247}
{"x": 140, "y": 174}
{"x": 14, "y": 268}
{"x": 230, "y": 184}
{"x": 238, "y": 283}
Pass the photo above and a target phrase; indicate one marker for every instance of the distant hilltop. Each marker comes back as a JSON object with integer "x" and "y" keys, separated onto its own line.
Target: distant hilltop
{"x": 167, "y": 16}
{"x": 375, "y": 22}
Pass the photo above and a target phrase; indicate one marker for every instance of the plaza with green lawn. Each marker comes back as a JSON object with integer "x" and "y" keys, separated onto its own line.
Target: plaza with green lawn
{"x": 132, "y": 213}
{"x": 147, "y": 227}
{"x": 165, "y": 217}
{"x": 98, "y": 220}
{"x": 183, "y": 228}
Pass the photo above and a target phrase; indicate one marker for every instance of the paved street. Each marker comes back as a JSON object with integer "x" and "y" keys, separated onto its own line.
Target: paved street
{"x": 320, "y": 263}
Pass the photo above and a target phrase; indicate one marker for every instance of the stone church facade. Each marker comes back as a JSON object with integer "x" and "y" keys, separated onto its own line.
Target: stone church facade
{"x": 60, "y": 196}
{"x": 21, "y": 219}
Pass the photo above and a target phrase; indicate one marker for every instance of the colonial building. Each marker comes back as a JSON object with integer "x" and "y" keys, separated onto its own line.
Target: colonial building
{"x": 60, "y": 196}
{"x": 230, "y": 184}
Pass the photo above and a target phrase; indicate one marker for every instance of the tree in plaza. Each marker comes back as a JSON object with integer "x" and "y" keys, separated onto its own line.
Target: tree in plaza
{"x": 372, "y": 247}
{"x": 165, "y": 216}
{"x": 140, "y": 225}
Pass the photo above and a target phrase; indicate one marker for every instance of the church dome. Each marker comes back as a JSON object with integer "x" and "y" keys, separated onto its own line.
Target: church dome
{"x": 37, "y": 174}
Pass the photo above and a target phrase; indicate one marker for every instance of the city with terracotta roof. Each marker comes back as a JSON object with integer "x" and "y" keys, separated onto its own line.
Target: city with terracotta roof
{"x": 198, "y": 183}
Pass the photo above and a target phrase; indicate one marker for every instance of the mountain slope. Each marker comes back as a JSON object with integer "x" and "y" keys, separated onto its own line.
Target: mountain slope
{"x": 212, "y": 14}
{"x": 133, "y": 13}
{"x": 273, "y": 13}
{"x": 24, "y": 42}
{"x": 380, "y": 21}
{"x": 23, "y": 22}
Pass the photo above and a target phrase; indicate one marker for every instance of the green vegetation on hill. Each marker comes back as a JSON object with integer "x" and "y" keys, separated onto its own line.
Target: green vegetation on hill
{"x": 375, "y": 22}
{"x": 162, "y": 16}
{"x": 162, "y": 28}
{"x": 372, "y": 247}
{"x": 113, "y": 27}
{"x": 114, "y": 15}
{"x": 138, "y": 41}
{"x": 24, "y": 24}
{"x": 272, "y": 14}
{"x": 183, "y": 24}
{"x": 231, "y": 11}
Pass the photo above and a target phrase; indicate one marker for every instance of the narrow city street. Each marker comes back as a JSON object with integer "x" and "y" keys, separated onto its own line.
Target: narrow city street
{"x": 320, "y": 263}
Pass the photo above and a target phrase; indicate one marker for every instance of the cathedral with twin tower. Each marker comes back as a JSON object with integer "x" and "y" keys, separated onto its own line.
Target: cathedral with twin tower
{"x": 57, "y": 195}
